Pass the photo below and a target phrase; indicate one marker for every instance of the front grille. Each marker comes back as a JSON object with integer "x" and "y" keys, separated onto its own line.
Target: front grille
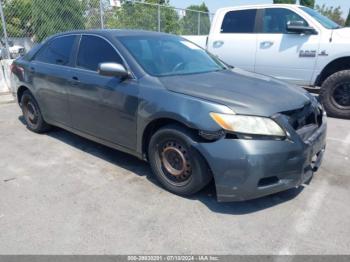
{"x": 305, "y": 120}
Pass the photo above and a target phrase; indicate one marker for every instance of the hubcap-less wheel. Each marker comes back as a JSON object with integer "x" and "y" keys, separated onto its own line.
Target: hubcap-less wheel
{"x": 31, "y": 112}
{"x": 175, "y": 161}
{"x": 341, "y": 96}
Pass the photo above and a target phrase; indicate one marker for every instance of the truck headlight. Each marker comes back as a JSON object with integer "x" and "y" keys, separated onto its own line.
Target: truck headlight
{"x": 252, "y": 125}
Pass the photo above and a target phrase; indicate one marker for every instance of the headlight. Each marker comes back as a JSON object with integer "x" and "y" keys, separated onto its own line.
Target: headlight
{"x": 252, "y": 125}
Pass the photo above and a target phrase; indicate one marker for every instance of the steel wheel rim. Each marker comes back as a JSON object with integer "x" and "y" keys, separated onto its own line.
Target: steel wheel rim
{"x": 31, "y": 113}
{"x": 341, "y": 96}
{"x": 175, "y": 162}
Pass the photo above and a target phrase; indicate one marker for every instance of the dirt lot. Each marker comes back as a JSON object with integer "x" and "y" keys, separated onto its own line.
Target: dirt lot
{"x": 62, "y": 194}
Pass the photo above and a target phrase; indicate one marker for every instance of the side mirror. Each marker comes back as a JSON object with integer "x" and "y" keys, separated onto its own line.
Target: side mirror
{"x": 113, "y": 69}
{"x": 298, "y": 27}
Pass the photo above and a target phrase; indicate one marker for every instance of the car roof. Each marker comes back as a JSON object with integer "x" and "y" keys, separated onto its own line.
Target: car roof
{"x": 113, "y": 32}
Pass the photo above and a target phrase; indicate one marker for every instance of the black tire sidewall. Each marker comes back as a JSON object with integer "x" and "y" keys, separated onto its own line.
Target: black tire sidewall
{"x": 327, "y": 90}
{"x": 200, "y": 176}
{"x": 41, "y": 125}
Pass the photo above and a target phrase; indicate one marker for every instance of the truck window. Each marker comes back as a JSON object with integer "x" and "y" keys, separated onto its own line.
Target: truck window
{"x": 242, "y": 21}
{"x": 275, "y": 20}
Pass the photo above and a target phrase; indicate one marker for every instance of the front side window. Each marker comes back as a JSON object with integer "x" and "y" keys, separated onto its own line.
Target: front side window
{"x": 170, "y": 55}
{"x": 57, "y": 51}
{"x": 94, "y": 50}
{"x": 275, "y": 20}
{"x": 242, "y": 21}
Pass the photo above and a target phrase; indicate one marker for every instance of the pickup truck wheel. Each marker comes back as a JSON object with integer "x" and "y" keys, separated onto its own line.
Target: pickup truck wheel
{"x": 178, "y": 166}
{"x": 32, "y": 114}
{"x": 335, "y": 94}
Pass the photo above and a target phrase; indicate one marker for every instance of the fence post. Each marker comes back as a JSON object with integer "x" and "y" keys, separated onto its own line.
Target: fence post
{"x": 7, "y": 47}
{"x": 158, "y": 18}
{"x": 199, "y": 23}
{"x": 101, "y": 14}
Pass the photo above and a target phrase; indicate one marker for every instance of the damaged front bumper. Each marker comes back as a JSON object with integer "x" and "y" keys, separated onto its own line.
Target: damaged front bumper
{"x": 248, "y": 169}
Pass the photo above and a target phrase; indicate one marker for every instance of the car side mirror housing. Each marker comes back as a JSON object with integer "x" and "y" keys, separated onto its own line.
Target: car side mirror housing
{"x": 113, "y": 69}
{"x": 298, "y": 27}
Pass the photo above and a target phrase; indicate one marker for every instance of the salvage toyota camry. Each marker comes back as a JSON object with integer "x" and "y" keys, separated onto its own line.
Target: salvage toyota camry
{"x": 169, "y": 102}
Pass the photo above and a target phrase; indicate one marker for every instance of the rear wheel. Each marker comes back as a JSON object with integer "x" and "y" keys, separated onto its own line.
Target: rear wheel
{"x": 335, "y": 94}
{"x": 177, "y": 165}
{"x": 32, "y": 114}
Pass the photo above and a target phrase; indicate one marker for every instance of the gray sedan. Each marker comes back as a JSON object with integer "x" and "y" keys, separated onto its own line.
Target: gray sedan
{"x": 169, "y": 102}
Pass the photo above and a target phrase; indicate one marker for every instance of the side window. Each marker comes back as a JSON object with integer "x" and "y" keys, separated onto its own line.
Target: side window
{"x": 242, "y": 21}
{"x": 94, "y": 50}
{"x": 58, "y": 51}
{"x": 275, "y": 20}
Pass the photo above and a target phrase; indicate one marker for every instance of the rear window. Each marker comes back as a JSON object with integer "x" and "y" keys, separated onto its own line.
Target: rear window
{"x": 242, "y": 21}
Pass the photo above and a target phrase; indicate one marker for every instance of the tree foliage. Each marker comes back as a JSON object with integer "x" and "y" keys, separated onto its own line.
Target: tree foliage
{"x": 189, "y": 22}
{"x": 347, "y": 23}
{"x": 18, "y": 17}
{"x": 334, "y": 13}
{"x": 284, "y": 1}
{"x": 308, "y": 3}
{"x": 143, "y": 16}
{"x": 52, "y": 16}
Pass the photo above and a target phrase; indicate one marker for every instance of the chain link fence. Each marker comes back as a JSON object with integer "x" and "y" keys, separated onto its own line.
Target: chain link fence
{"x": 26, "y": 22}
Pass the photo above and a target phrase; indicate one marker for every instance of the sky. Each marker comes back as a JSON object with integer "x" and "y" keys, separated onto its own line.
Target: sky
{"x": 215, "y": 4}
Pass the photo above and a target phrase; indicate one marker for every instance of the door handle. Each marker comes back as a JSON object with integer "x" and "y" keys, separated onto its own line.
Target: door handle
{"x": 75, "y": 81}
{"x": 266, "y": 44}
{"x": 218, "y": 44}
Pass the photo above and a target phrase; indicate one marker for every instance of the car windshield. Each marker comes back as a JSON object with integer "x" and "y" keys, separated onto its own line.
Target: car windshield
{"x": 326, "y": 22}
{"x": 170, "y": 55}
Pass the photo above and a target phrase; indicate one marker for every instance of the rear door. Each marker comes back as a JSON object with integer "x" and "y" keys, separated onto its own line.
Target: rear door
{"x": 285, "y": 55}
{"x": 233, "y": 39}
{"x": 49, "y": 72}
{"x": 102, "y": 106}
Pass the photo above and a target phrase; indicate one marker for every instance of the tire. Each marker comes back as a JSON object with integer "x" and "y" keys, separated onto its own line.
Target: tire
{"x": 32, "y": 114}
{"x": 184, "y": 177}
{"x": 335, "y": 94}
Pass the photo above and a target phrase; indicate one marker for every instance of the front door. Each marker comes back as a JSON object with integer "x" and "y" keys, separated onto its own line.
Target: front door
{"x": 285, "y": 55}
{"x": 101, "y": 106}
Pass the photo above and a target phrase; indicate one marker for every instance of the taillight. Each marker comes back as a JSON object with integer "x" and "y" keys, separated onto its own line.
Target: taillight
{"x": 17, "y": 70}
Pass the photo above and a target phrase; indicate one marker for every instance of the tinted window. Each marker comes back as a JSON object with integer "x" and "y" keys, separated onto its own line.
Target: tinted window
{"x": 57, "y": 51}
{"x": 94, "y": 50}
{"x": 242, "y": 21}
{"x": 276, "y": 19}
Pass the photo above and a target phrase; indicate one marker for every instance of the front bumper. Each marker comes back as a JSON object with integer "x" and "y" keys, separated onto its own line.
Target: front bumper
{"x": 248, "y": 169}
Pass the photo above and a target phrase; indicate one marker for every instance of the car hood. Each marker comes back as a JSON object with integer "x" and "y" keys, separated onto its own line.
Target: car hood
{"x": 343, "y": 32}
{"x": 242, "y": 91}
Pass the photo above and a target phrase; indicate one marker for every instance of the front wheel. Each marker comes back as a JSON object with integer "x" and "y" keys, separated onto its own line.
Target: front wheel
{"x": 335, "y": 94}
{"x": 177, "y": 165}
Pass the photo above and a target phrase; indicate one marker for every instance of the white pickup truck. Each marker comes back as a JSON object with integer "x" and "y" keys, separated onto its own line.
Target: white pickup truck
{"x": 289, "y": 42}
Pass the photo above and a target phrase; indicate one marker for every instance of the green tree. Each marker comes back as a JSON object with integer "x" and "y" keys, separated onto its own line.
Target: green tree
{"x": 52, "y": 16}
{"x": 284, "y": 1}
{"x": 18, "y": 17}
{"x": 190, "y": 20}
{"x": 347, "y": 23}
{"x": 308, "y": 3}
{"x": 334, "y": 13}
{"x": 138, "y": 15}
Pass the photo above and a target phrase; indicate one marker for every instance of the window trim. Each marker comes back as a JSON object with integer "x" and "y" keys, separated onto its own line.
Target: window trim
{"x": 262, "y": 15}
{"x": 256, "y": 24}
{"x": 49, "y": 42}
{"x": 75, "y": 59}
